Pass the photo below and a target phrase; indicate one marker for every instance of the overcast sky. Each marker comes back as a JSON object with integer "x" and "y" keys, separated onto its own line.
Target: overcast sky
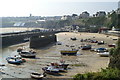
{"x": 54, "y": 7}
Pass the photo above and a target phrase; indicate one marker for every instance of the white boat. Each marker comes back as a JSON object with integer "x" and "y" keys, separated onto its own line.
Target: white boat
{"x": 104, "y": 54}
{"x": 37, "y": 75}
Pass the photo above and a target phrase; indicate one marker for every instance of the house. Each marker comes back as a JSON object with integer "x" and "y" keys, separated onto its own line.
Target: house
{"x": 84, "y": 15}
{"x": 66, "y": 17}
{"x": 103, "y": 30}
{"x": 100, "y": 13}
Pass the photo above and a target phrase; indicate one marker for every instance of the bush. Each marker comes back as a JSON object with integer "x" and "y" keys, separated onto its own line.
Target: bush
{"x": 105, "y": 74}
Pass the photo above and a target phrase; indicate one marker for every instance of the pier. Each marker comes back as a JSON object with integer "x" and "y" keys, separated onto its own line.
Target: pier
{"x": 8, "y": 39}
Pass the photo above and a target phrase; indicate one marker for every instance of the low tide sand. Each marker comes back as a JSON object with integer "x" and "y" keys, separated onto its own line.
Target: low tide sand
{"x": 89, "y": 61}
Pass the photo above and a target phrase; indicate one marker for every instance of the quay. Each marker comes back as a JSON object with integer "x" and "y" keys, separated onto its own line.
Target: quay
{"x": 8, "y": 39}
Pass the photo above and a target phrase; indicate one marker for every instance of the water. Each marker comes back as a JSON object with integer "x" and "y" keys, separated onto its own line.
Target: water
{"x": 15, "y": 29}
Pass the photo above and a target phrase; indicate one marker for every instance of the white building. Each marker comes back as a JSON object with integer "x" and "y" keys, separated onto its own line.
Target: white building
{"x": 66, "y": 17}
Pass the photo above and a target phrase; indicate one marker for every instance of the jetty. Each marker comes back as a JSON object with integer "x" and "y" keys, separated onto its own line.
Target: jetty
{"x": 35, "y": 37}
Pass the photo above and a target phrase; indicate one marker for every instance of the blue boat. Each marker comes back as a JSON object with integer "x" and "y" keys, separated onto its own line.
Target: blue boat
{"x": 14, "y": 60}
{"x": 86, "y": 47}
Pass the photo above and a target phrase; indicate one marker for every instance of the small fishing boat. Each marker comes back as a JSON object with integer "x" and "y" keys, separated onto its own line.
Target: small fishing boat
{"x": 100, "y": 42}
{"x": 115, "y": 39}
{"x": 69, "y": 52}
{"x": 103, "y": 54}
{"x": 86, "y": 47}
{"x": 27, "y": 54}
{"x": 50, "y": 70}
{"x": 62, "y": 66}
{"x": 19, "y": 49}
{"x": 111, "y": 45}
{"x": 26, "y": 39}
{"x": 101, "y": 50}
{"x": 73, "y": 38}
{"x": 37, "y": 75}
{"x": 59, "y": 43}
{"x": 94, "y": 41}
{"x": 14, "y": 60}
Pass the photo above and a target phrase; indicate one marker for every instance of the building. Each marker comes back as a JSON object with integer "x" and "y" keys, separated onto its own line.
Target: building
{"x": 84, "y": 15}
{"x": 103, "y": 30}
{"x": 118, "y": 11}
{"x": 75, "y": 17}
{"x": 100, "y": 13}
{"x": 66, "y": 17}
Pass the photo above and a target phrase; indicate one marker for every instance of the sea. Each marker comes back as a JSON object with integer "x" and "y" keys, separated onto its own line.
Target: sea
{"x": 16, "y": 29}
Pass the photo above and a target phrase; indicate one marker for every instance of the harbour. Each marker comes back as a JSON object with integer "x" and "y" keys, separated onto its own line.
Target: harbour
{"x": 86, "y": 60}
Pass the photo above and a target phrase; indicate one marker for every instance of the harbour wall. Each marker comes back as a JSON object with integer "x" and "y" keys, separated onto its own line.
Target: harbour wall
{"x": 42, "y": 40}
{"x": 16, "y": 38}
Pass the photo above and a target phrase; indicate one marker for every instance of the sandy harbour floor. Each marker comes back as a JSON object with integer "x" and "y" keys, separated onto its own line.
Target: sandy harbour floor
{"x": 89, "y": 61}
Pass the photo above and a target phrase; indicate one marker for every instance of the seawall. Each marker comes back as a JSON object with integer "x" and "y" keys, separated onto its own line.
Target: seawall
{"x": 16, "y": 38}
{"x": 42, "y": 40}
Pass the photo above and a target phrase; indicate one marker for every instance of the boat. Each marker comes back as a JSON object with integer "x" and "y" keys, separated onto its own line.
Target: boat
{"x": 50, "y": 70}
{"x": 14, "y": 60}
{"x": 100, "y": 42}
{"x": 111, "y": 45}
{"x": 86, "y": 47}
{"x": 94, "y": 41}
{"x": 26, "y": 39}
{"x": 62, "y": 66}
{"x": 101, "y": 50}
{"x": 115, "y": 39}
{"x": 59, "y": 43}
{"x": 103, "y": 54}
{"x": 73, "y": 38}
{"x": 27, "y": 54}
{"x": 69, "y": 52}
{"x": 37, "y": 75}
{"x": 19, "y": 49}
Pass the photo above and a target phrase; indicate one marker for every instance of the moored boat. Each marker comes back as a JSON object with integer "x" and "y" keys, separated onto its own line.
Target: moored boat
{"x": 111, "y": 45}
{"x": 73, "y": 38}
{"x": 27, "y": 54}
{"x": 37, "y": 75}
{"x": 19, "y": 49}
{"x": 103, "y": 54}
{"x": 14, "y": 60}
{"x": 50, "y": 70}
{"x": 68, "y": 52}
{"x": 101, "y": 50}
{"x": 86, "y": 47}
{"x": 100, "y": 42}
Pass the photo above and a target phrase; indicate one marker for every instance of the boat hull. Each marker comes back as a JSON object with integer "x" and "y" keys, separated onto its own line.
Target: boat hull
{"x": 36, "y": 76}
{"x": 68, "y": 52}
{"x": 14, "y": 62}
{"x": 26, "y": 55}
{"x": 49, "y": 71}
{"x": 104, "y": 54}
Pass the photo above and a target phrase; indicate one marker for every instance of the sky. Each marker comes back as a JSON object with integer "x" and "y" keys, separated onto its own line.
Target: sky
{"x": 17, "y": 8}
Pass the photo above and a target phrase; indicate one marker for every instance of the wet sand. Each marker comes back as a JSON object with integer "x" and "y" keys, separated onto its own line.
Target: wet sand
{"x": 89, "y": 61}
